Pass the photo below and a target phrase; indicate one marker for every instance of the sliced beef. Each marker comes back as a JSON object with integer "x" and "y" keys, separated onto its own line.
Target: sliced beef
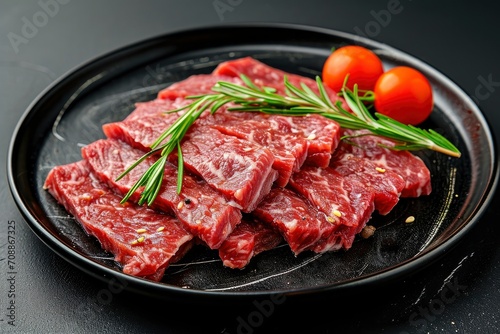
{"x": 300, "y": 223}
{"x": 321, "y": 132}
{"x": 197, "y": 84}
{"x": 386, "y": 184}
{"x": 241, "y": 170}
{"x": 248, "y": 239}
{"x": 143, "y": 241}
{"x": 413, "y": 170}
{"x": 203, "y": 211}
{"x": 346, "y": 201}
{"x": 289, "y": 150}
{"x": 142, "y": 127}
{"x": 264, "y": 75}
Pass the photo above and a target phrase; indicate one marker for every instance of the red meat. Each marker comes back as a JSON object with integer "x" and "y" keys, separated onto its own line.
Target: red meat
{"x": 386, "y": 184}
{"x": 264, "y": 75}
{"x": 195, "y": 85}
{"x": 413, "y": 170}
{"x": 203, "y": 211}
{"x": 346, "y": 201}
{"x": 300, "y": 223}
{"x": 248, "y": 239}
{"x": 321, "y": 132}
{"x": 242, "y": 171}
{"x": 289, "y": 150}
{"x": 119, "y": 228}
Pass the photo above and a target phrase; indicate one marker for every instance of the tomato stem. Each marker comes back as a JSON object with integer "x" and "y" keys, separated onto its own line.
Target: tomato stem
{"x": 366, "y": 96}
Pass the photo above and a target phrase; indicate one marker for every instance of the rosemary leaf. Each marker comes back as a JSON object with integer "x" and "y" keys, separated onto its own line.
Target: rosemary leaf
{"x": 180, "y": 169}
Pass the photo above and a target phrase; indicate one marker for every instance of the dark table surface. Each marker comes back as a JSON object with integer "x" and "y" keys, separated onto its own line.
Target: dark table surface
{"x": 458, "y": 38}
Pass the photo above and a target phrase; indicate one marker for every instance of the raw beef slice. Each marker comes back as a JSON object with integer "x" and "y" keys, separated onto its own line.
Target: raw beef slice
{"x": 203, "y": 211}
{"x": 143, "y": 241}
{"x": 241, "y": 170}
{"x": 413, "y": 170}
{"x": 264, "y": 75}
{"x": 321, "y": 132}
{"x": 248, "y": 239}
{"x": 386, "y": 184}
{"x": 347, "y": 202}
{"x": 197, "y": 84}
{"x": 300, "y": 223}
{"x": 289, "y": 150}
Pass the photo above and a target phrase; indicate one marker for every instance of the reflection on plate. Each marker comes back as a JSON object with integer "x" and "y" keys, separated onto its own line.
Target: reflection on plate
{"x": 69, "y": 114}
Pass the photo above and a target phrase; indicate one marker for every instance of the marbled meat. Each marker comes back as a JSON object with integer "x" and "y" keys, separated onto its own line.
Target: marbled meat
{"x": 321, "y": 132}
{"x": 249, "y": 238}
{"x": 413, "y": 170}
{"x": 203, "y": 211}
{"x": 143, "y": 241}
{"x": 347, "y": 202}
{"x": 300, "y": 223}
{"x": 386, "y": 184}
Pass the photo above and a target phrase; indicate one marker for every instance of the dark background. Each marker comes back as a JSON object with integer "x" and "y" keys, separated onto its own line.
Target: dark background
{"x": 458, "y": 294}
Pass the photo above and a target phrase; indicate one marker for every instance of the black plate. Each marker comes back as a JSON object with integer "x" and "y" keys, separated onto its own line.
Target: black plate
{"x": 69, "y": 114}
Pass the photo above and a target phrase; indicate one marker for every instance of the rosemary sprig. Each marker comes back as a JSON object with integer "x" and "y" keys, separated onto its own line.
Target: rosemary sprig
{"x": 298, "y": 101}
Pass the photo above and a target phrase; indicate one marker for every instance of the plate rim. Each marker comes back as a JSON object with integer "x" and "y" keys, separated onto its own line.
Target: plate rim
{"x": 409, "y": 265}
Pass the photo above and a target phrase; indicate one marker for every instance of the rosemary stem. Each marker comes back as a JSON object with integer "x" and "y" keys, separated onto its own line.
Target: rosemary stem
{"x": 443, "y": 150}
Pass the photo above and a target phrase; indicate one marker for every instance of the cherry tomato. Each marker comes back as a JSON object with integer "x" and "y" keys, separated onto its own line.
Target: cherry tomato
{"x": 404, "y": 94}
{"x": 362, "y": 65}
